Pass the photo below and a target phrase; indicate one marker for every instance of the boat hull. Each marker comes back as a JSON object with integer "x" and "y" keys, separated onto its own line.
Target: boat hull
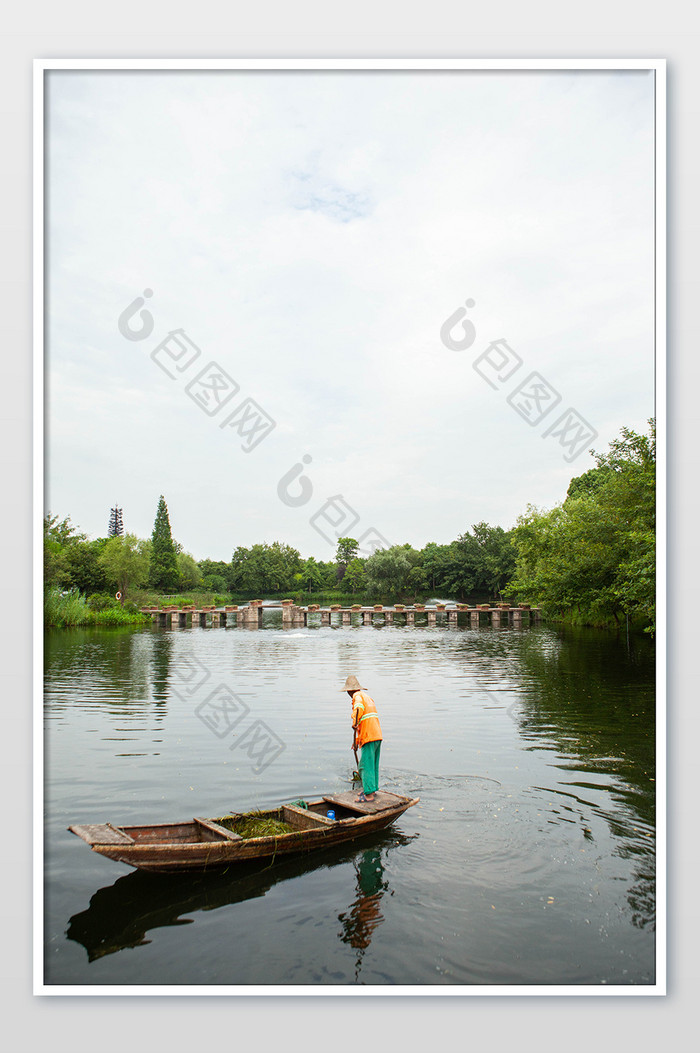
{"x": 201, "y": 845}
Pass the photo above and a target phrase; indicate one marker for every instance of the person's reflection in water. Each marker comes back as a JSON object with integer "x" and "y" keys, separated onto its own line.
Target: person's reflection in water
{"x": 365, "y": 915}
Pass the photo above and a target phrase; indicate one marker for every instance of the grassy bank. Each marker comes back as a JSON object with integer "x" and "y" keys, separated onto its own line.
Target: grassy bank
{"x": 589, "y": 620}
{"x": 64, "y": 610}
{"x": 198, "y": 598}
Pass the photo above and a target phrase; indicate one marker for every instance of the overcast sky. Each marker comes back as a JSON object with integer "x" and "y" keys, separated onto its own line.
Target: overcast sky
{"x": 310, "y": 233}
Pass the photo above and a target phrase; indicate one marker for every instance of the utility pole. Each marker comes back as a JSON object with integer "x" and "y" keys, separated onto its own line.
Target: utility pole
{"x": 116, "y": 524}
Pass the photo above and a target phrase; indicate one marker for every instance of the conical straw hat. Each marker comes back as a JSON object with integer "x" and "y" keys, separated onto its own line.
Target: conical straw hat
{"x": 353, "y": 684}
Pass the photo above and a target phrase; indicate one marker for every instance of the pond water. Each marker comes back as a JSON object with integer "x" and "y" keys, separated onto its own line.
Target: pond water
{"x": 528, "y": 861}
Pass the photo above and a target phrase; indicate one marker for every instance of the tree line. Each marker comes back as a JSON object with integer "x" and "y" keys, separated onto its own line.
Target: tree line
{"x": 590, "y": 557}
{"x": 478, "y": 562}
{"x": 593, "y": 557}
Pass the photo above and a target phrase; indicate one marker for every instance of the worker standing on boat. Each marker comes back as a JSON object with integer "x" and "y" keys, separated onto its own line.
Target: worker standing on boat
{"x": 368, "y": 736}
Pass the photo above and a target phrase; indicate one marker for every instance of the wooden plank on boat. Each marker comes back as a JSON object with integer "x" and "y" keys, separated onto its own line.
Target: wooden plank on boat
{"x": 303, "y": 818}
{"x": 381, "y": 803}
{"x": 102, "y": 834}
{"x": 216, "y": 829}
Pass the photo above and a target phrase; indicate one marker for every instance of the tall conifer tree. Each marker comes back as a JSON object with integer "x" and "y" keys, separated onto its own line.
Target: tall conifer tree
{"x": 163, "y": 572}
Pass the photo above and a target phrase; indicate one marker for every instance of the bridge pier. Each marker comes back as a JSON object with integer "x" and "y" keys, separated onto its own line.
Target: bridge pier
{"x": 251, "y": 617}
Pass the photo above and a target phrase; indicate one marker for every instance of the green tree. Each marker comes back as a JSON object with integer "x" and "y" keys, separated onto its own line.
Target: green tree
{"x": 216, "y": 575}
{"x": 82, "y": 559}
{"x": 61, "y": 531}
{"x": 245, "y": 573}
{"x": 354, "y": 577}
{"x": 480, "y": 562}
{"x": 567, "y": 558}
{"x": 588, "y": 483}
{"x": 57, "y": 573}
{"x": 594, "y": 555}
{"x": 629, "y": 494}
{"x": 60, "y": 537}
{"x": 189, "y": 574}
{"x": 497, "y": 556}
{"x": 265, "y": 568}
{"x": 464, "y": 572}
{"x": 311, "y": 575}
{"x": 282, "y": 562}
{"x": 437, "y": 562}
{"x": 345, "y": 552}
{"x": 125, "y": 561}
{"x": 635, "y": 587}
{"x": 394, "y": 570}
{"x": 163, "y": 572}
{"x": 329, "y": 573}
{"x": 214, "y": 583}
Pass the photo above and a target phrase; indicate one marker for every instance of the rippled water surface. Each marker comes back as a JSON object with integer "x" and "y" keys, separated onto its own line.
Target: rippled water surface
{"x": 529, "y": 860}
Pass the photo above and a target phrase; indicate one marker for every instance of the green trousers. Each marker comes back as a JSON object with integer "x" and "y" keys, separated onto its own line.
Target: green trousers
{"x": 369, "y": 766}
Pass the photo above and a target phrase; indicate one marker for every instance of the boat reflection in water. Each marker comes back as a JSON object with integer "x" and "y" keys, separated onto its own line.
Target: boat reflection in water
{"x": 365, "y": 915}
{"x": 121, "y": 915}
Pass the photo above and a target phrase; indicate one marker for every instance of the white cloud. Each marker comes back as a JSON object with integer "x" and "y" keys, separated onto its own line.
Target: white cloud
{"x": 311, "y": 232}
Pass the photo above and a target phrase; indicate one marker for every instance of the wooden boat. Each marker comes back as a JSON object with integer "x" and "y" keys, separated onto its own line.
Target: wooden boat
{"x": 203, "y": 844}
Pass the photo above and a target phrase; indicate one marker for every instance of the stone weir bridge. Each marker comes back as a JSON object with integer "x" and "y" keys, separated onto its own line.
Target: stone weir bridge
{"x": 250, "y": 615}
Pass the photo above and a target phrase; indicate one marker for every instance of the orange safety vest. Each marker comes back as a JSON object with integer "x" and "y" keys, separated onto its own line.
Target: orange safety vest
{"x": 365, "y": 719}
